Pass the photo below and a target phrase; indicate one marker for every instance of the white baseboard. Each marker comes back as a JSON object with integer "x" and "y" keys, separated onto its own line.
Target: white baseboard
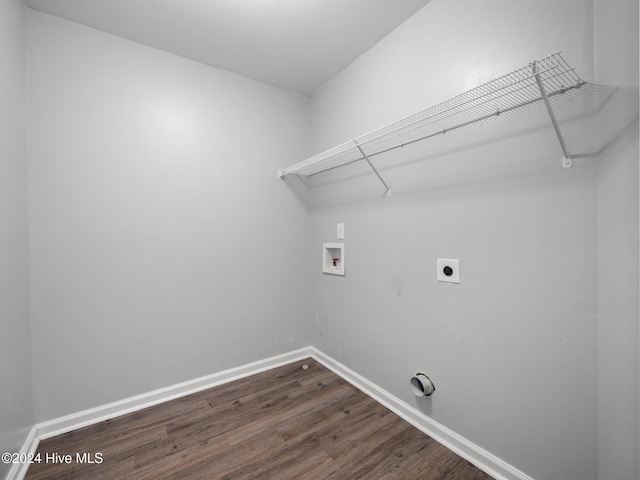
{"x": 91, "y": 416}
{"x": 468, "y": 450}
{"x": 19, "y": 470}
{"x": 460, "y": 445}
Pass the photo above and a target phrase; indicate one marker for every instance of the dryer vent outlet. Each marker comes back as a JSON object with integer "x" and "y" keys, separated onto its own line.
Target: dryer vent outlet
{"x": 422, "y": 385}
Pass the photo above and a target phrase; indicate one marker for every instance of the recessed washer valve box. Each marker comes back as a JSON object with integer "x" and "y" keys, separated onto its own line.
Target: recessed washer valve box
{"x": 333, "y": 258}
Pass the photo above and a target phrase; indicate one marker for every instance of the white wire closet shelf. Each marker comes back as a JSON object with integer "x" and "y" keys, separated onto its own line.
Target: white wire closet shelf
{"x": 537, "y": 81}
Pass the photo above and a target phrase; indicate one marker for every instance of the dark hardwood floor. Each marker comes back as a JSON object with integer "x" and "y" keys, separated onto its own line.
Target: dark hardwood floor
{"x": 286, "y": 423}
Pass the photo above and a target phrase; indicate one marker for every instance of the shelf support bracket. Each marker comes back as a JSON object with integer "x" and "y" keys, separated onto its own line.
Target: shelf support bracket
{"x": 566, "y": 160}
{"x": 364, "y": 155}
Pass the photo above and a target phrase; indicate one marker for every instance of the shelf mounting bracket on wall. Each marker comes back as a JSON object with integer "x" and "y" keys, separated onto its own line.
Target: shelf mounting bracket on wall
{"x": 566, "y": 159}
{"x": 364, "y": 155}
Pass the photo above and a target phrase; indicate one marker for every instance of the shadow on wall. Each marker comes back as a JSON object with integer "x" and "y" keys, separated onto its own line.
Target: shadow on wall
{"x": 625, "y": 100}
{"x": 513, "y": 144}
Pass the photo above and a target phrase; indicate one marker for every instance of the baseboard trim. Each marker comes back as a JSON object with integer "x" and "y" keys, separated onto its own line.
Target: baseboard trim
{"x": 468, "y": 450}
{"x": 19, "y": 470}
{"x": 91, "y": 416}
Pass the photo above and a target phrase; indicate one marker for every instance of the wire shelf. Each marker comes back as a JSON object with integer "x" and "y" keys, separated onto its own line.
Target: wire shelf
{"x": 534, "y": 82}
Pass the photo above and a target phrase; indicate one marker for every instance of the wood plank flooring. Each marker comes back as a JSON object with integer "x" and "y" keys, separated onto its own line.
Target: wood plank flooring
{"x": 286, "y": 423}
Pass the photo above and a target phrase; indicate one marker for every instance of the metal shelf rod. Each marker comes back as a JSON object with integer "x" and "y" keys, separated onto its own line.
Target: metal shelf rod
{"x": 566, "y": 160}
{"x": 374, "y": 169}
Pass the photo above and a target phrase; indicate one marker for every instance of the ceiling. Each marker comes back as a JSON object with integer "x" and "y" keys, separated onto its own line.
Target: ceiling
{"x": 297, "y": 45}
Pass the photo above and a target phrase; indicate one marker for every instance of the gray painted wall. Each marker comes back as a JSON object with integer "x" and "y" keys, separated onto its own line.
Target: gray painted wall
{"x": 617, "y": 190}
{"x": 164, "y": 247}
{"x": 16, "y": 415}
{"x": 513, "y": 349}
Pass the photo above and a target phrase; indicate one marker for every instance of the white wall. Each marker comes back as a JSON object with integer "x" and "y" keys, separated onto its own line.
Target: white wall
{"x": 16, "y": 417}
{"x": 513, "y": 349}
{"x": 617, "y": 189}
{"x": 164, "y": 247}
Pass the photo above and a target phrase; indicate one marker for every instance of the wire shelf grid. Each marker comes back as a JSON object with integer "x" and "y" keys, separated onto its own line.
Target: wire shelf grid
{"x": 534, "y": 82}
